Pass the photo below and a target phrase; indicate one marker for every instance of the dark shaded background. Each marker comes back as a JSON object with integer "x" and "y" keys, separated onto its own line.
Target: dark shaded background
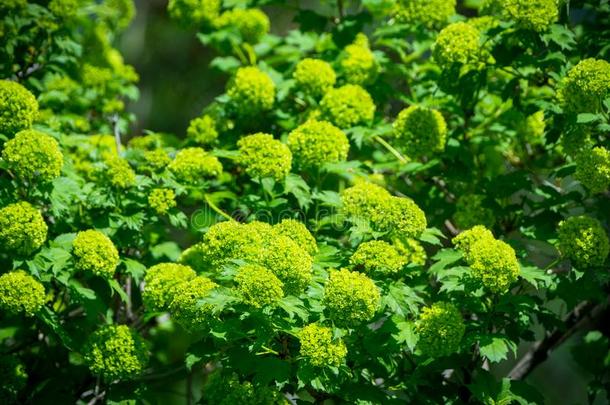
{"x": 175, "y": 85}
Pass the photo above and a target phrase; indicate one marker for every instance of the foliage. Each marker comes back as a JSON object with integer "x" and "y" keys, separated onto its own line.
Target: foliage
{"x": 386, "y": 201}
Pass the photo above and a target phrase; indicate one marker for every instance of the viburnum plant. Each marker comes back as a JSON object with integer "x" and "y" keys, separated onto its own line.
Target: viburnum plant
{"x": 389, "y": 198}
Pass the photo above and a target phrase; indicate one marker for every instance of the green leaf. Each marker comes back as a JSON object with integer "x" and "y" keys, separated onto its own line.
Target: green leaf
{"x": 116, "y": 287}
{"x": 586, "y": 118}
{"x": 536, "y": 277}
{"x": 134, "y": 268}
{"x": 495, "y": 348}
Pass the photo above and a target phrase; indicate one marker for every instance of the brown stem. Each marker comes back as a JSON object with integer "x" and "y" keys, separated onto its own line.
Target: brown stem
{"x": 581, "y": 317}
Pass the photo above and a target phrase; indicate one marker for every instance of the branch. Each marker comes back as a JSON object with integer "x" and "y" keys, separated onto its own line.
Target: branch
{"x": 580, "y": 317}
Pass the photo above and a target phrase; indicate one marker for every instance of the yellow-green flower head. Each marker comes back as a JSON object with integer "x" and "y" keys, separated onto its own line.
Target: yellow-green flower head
{"x": 94, "y": 252}
{"x": 115, "y": 352}
{"x": 584, "y": 241}
{"x": 440, "y": 328}
{"x": 18, "y": 107}
{"x": 420, "y": 131}
{"x": 162, "y": 200}
{"x": 470, "y": 210}
{"x": 64, "y": 9}
{"x": 466, "y": 239}
{"x": 202, "y": 130}
{"x": 193, "y": 165}
{"x": 194, "y": 13}
{"x": 161, "y": 282}
{"x": 251, "y": 92}
{"x": 585, "y": 87}
{"x": 225, "y": 241}
{"x": 13, "y": 376}
{"x": 298, "y": 232}
{"x": 228, "y": 390}
{"x": 536, "y": 15}
{"x": 493, "y": 264}
{"x": 22, "y": 228}
{"x": 401, "y": 216}
{"x": 358, "y": 63}
{"x": 155, "y": 160}
{"x": 593, "y": 169}
{"x": 257, "y": 286}
{"x": 314, "y": 76}
{"x": 347, "y": 106}
{"x": 378, "y": 256}
{"x": 145, "y": 142}
{"x": 533, "y": 127}
{"x": 316, "y": 143}
{"x": 124, "y": 12}
{"x": 20, "y": 293}
{"x": 186, "y": 308}
{"x": 319, "y": 348}
{"x": 119, "y": 173}
{"x": 288, "y": 261}
{"x": 457, "y": 43}
{"x": 411, "y": 250}
{"x": 230, "y": 240}
{"x": 252, "y": 24}
{"x": 264, "y": 156}
{"x": 350, "y": 297}
{"x": 363, "y": 200}
{"x": 33, "y": 155}
{"x": 427, "y": 13}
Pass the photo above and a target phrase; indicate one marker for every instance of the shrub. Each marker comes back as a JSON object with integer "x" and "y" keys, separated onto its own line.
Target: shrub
{"x": 367, "y": 202}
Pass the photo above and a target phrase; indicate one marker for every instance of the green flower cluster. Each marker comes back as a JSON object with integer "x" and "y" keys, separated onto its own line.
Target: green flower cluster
{"x": 257, "y": 286}
{"x": 593, "y": 169}
{"x": 440, "y": 328}
{"x": 363, "y": 200}
{"x": 258, "y": 243}
{"x": 228, "y": 390}
{"x": 192, "y": 165}
{"x": 252, "y": 24}
{"x": 347, "y": 106}
{"x": 420, "y": 131}
{"x": 162, "y": 200}
{"x": 575, "y": 140}
{"x": 13, "y": 378}
{"x": 350, "y": 297}
{"x": 536, "y": 15}
{"x": 115, "y": 352}
{"x": 264, "y": 156}
{"x": 298, "y": 232}
{"x": 122, "y": 12}
{"x": 585, "y": 87}
{"x": 466, "y": 239}
{"x": 18, "y": 108}
{"x": 33, "y": 155}
{"x": 378, "y": 256}
{"x": 119, "y": 173}
{"x": 533, "y": 127}
{"x": 457, "y": 43}
{"x": 194, "y": 13}
{"x": 493, "y": 263}
{"x": 21, "y": 293}
{"x": 161, "y": 282}
{"x": 358, "y": 63}
{"x": 319, "y": 348}
{"x": 411, "y": 250}
{"x": 155, "y": 160}
{"x": 470, "y": 210}
{"x": 64, "y": 9}
{"x": 202, "y": 130}
{"x": 427, "y": 13}
{"x": 314, "y": 76}
{"x": 584, "y": 241}
{"x": 316, "y": 143}
{"x": 94, "y": 252}
{"x": 370, "y": 202}
{"x": 251, "y": 92}
{"x": 186, "y": 307}
{"x": 22, "y": 228}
